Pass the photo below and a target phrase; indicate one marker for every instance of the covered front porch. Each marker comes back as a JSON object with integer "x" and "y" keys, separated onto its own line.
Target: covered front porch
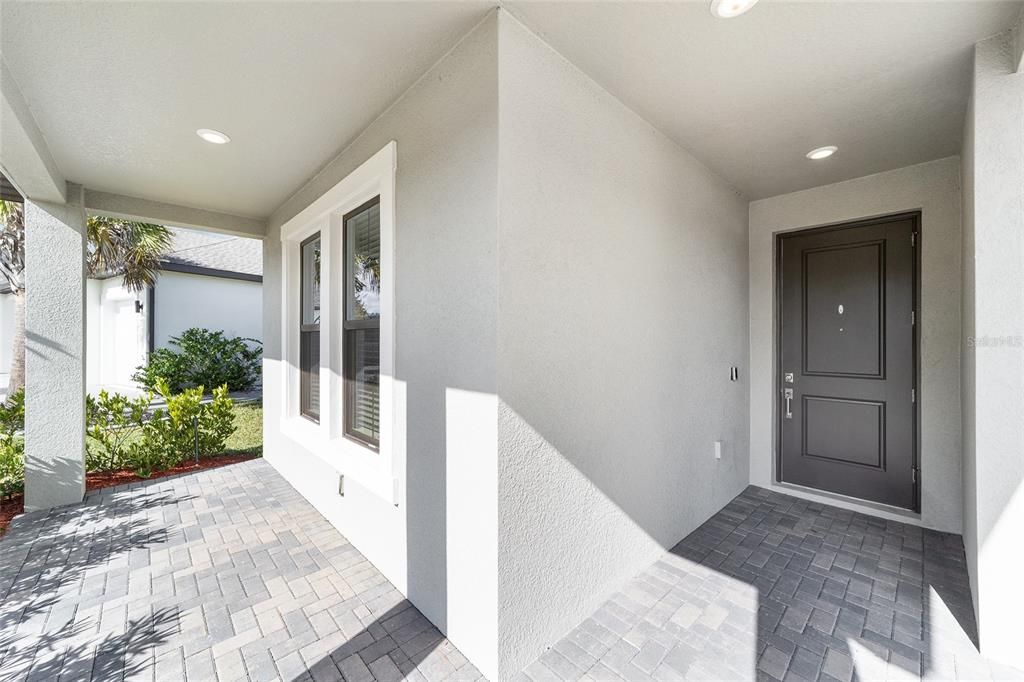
{"x": 525, "y": 339}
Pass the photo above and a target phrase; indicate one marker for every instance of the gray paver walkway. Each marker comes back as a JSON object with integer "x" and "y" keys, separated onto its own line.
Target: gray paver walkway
{"x": 226, "y": 574}
{"x": 777, "y": 588}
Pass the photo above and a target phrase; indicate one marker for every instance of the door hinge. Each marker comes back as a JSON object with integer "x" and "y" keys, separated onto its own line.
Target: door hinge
{"x": 913, "y": 474}
{"x": 913, "y": 317}
{"x": 913, "y": 238}
{"x": 913, "y": 395}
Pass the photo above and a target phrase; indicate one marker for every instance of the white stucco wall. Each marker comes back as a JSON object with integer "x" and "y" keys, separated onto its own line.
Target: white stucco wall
{"x": 993, "y": 349}
{"x": 117, "y": 337}
{"x": 117, "y": 334}
{"x": 438, "y": 545}
{"x": 93, "y": 292}
{"x": 967, "y": 372}
{"x": 6, "y": 337}
{"x": 622, "y": 305}
{"x": 934, "y": 189}
{"x": 183, "y": 300}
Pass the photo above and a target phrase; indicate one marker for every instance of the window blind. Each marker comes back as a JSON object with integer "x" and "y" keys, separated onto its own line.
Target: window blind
{"x": 362, "y": 323}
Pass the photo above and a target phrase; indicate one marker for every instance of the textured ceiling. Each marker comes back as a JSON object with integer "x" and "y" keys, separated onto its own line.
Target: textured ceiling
{"x": 118, "y": 89}
{"x": 887, "y": 82}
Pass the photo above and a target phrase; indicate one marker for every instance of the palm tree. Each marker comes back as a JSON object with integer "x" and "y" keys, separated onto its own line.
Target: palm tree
{"x": 127, "y": 248}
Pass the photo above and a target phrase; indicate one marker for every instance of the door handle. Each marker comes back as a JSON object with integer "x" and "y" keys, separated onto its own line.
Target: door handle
{"x": 788, "y": 395}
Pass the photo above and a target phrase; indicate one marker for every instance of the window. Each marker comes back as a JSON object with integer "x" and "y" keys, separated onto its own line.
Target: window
{"x": 309, "y": 330}
{"x": 341, "y": 402}
{"x": 361, "y": 323}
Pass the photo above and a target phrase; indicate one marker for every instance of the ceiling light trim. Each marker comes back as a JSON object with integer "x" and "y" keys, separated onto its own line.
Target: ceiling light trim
{"x": 822, "y": 153}
{"x": 213, "y": 136}
{"x": 729, "y": 9}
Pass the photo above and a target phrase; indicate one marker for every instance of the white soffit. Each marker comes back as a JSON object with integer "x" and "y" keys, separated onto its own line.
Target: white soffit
{"x": 119, "y": 89}
{"x": 886, "y": 82}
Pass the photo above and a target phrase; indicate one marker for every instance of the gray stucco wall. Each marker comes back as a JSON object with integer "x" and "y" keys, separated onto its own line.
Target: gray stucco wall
{"x": 438, "y": 545}
{"x": 54, "y": 352}
{"x": 967, "y": 373}
{"x": 934, "y": 189}
{"x": 622, "y": 305}
{"x": 993, "y": 351}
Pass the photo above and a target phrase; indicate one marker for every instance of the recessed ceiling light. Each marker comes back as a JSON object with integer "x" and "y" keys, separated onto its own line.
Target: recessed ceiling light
{"x": 213, "y": 136}
{"x": 822, "y": 153}
{"x": 727, "y": 9}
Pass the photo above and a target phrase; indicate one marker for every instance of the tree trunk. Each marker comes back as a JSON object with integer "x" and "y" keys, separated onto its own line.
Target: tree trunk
{"x": 17, "y": 376}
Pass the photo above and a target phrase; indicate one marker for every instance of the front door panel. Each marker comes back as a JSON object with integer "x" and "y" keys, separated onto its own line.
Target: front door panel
{"x": 847, "y": 411}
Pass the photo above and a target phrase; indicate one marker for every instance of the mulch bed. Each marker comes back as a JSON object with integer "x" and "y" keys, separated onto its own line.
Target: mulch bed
{"x": 10, "y": 508}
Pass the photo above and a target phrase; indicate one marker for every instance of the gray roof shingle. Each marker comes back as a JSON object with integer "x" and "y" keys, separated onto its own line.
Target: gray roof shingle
{"x": 216, "y": 252}
{"x": 207, "y": 250}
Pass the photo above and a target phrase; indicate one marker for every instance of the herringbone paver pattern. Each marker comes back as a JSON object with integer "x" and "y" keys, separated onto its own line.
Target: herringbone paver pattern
{"x": 226, "y": 574}
{"x": 777, "y": 588}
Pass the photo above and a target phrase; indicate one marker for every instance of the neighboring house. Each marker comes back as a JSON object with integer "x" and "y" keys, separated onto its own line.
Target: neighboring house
{"x": 550, "y": 284}
{"x": 207, "y": 280}
{"x": 6, "y": 335}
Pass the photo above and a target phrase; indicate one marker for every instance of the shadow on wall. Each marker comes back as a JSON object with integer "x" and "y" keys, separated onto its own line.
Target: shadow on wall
{"x": 33, "y": 341}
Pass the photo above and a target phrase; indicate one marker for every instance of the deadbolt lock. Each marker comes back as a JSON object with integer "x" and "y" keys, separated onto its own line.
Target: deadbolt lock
{"x": 788, "y": 376}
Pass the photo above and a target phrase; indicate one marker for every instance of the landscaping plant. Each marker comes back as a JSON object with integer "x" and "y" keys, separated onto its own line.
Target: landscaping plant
{"x": 12, "y": 446}
{"x": 12, "y": 467}
{"x": 122, "y": 434}
{"x": 113, "y": 423}
{"x": 12, "y": 415}
{"x": 174, "y": 433}
{"x": 203, "y": 358}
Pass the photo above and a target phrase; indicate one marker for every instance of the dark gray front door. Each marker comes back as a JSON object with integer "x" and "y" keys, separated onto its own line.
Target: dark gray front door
{"x": 846, "y": 374}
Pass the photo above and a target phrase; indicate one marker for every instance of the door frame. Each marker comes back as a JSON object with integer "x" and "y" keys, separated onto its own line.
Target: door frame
{"x": 914, "y": 216}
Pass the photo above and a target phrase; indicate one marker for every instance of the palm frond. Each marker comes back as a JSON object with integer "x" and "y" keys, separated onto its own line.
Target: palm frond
{"x": 12, "y": 243}
{"x": 128, "y": 248}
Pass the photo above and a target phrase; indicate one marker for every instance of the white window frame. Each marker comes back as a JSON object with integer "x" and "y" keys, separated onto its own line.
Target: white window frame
{"x": 373, "y": 469}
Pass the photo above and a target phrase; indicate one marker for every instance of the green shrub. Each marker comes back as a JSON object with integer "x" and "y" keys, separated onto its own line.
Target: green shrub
{"x": 12, "y": 466}
{"x": 203, "y": 358}
{"x": 173, "y": 433}
{"x": 12, "y": 445}
{"x": 12, "y": 414}
{"x": 113, "y": 423}
{"x": 121, "y": 434}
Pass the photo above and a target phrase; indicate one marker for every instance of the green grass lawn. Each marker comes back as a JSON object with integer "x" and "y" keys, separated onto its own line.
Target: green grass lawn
{"x": 248, "y": 435}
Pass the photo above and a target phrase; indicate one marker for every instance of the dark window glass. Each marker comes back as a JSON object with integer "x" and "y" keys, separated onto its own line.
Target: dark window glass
{"x": 362, "y": 323}
{"x": 309, "y": 330}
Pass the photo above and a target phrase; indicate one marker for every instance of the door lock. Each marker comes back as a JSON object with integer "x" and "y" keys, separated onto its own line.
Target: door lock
{"x": 788, "y": 395}
{"x": 788, "y": 377}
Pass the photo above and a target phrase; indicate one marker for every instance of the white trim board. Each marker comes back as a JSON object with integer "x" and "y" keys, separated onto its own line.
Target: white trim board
{"x": 378, "y": 471}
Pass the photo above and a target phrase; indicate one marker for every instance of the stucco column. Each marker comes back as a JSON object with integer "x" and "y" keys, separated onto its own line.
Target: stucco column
{"x": 993, "y": 352}
{"x": 55, "y": 352}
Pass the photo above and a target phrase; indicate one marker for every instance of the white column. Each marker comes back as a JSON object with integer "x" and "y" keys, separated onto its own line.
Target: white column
{"x": 55, "y": 352}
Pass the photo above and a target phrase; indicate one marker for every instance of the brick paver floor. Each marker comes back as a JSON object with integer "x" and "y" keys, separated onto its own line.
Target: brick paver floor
{"x": 226, "y": 574}
{"x": 777, "y": 588}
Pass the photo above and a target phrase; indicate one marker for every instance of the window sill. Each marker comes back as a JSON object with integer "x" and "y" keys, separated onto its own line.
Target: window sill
{"x": 358, "y": 463}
